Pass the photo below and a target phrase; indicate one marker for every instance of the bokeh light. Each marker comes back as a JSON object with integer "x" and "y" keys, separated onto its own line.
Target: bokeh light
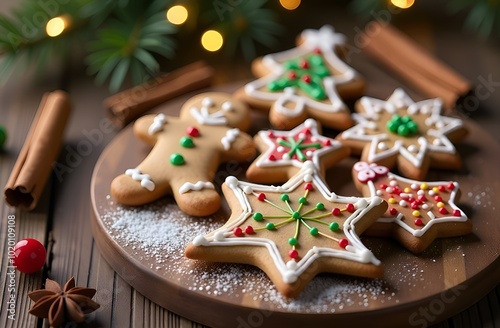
{"x": 290, "y": 4}
{"x": 55, "y": 26}
{"x": 177, "y": 15}
{"x": 212, "y": 40}
{"x": 403, "y": 4}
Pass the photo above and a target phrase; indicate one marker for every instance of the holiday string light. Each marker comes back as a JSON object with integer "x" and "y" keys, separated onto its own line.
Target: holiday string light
{"x": 177, "y": 15}
{"x": 403, "y": 4}
{"x": 56, "y": 26}
{"x": 212, "y": 40}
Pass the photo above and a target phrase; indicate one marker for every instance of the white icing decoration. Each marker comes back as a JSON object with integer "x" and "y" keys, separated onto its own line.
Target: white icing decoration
{"x": 248, "y": 190}
{"x": 229, "y": 138}
{"x": 290, "y": 272}
{"x": 200, "y": 241}
{"x": 145, "y": 179}
{"x": 203, "y": 115}
{"x": 158, "y": 122}
{"x": 227, "y": 106}
{"x": 434, "y": 139}
{"x": 324, "y": 39}
{"x": 200, "y": 185}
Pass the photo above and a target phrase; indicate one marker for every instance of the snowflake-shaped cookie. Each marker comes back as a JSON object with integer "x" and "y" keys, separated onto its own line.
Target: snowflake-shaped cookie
{"x": 306, "y": 81}
{"x": 398, "y": 131}
{"x": 293, "y": 231}
{"x": 284, "y": 152}
{"x": 418, "y": 212}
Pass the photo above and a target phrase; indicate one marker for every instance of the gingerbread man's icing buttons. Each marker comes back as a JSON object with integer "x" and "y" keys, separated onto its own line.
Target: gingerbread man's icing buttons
{"x": 306, "y": 81}
{"x": 185, "y": 153}
{"x": 400, "y": 132}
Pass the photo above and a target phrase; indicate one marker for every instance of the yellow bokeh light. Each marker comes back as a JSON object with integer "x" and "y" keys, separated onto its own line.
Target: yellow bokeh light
{"x": 177, "y": 15}
{"x": 55, "y": 26}
{"x": 212, "y": 40}
{"x": 403, "y": 4}
{"x": 290, "y": 4}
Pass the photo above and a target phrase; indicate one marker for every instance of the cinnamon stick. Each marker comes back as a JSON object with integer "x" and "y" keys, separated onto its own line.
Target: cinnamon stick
{"x": 414, "y": 64}
{"x": 39, "y": 152}
{"x": 127, "y": 105}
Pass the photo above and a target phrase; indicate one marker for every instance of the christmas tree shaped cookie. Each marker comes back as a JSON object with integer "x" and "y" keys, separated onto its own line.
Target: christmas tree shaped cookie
{"x": 306, "y": 81}
{"x": 284, "y": 152}
{"x": 418, "y": 212}
{"x": 293, "y": 231}
{"x": 400, "y": 132}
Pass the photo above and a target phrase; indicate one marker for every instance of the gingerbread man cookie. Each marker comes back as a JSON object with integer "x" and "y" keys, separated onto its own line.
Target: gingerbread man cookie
{"x": 294, "y": 231}
{"x": 186, "y": 153}
{"x": 400, "y": 132}
{"x": 284, "y": 152}
{"x": 418, "y": 213}
{"x": 306, "y": 81}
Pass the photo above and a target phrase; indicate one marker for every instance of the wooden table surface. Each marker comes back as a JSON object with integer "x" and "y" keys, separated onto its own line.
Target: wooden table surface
{"x": 61, "y": 219}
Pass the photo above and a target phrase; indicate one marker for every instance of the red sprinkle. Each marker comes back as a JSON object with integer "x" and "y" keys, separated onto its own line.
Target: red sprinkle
{"x": 293, "y": 254}
{"x": 343, "y": 243}
{"x": 350, "y": 208}
{"x": 238, "y": 232}
{"x": 393, "y": 211}
{"x": 270, "y": 134}
{"x": 261, "y": 197}
{"x": 308, "y": 186}
{"x": 327, "y": 142}
{"x": 272, "y": 158}
{"x": 192, "y": 131}
{"x": 397, "y": 190}
{"x": 306, "y": 79}
{"x": 249, "y": 230}
{"x": 418, "y": 222}
{"x": 306, "y": 131}
{"x": 450, "y": 186}
{"x": 304, "y": 64}
{"x": 457, "y": 213}
{"x": 443, "y": 210}
{"x": 383, "y": 186}
{"x": 442, "y": 188}
{"x": 422, "y": 198}
{"x": 414, "y": 206}
{"x": 336, "y": 211}
{"x": 317, "y": 51}
{"x": 438, "y": 198}
{"x": 292, "y": 75}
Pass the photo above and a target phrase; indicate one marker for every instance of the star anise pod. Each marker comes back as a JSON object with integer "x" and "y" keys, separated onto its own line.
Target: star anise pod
{"x": 62, "y": 305}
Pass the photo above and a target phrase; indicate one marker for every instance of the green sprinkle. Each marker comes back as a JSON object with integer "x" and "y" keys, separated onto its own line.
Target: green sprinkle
{"x": 320, "y": 206}
{"x": 334, "y": 226}
{"x": 293, "y": 241}
{"x": 302, "y": 200}
{"x": 186, "y": 142}
{"x": 296, "y": 215}
{"x": 258, "y": 216}
{"x": 270, "y": 226}
{"x": 314, "y": 231}
{"x": 285, "y": 197}
{"x": 176, "y": 159}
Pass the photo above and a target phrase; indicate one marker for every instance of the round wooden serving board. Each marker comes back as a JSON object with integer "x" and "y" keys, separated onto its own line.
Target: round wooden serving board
{"x": 417, "y": 291}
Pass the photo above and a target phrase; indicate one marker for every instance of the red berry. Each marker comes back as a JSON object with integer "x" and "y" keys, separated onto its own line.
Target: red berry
{"x": 393, "y": 211}
{"x": 238, "y": 232}
{"x": 308, "y": 186}
{"x": 336, "y": 211}
{"x": 350, "y": 208}
{"x": 457, "y": 213}
{"x": 249, "y": 230}
{"x": 193, "y": 132}
{"x": 443, "y": 211}
{"x": 450, "y": 186}
{"x": 29, "y": 255}
{"x": 306, "y": 79}
{"x": 438, "y": 198}
{"x": 272, "y": 158}
{"x": 343, "y": 243}
{"x": 293, "y": 254}
{"x": 418, "y": 222}
{"x": 261, "y": 197}
{"x": 292, "y": 75}
{"x": 442, "y": 188}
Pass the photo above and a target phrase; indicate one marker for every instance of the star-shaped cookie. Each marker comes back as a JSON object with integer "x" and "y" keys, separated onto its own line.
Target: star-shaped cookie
{"x": 400, "y": 132}
{"x": 284, "y": 152}
{"x": 306, "y": 81}
{"x": 294, "y": 231}
{"x": 418, "y": 212}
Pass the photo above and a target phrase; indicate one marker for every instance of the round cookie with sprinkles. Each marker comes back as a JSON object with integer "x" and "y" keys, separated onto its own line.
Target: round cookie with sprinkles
{"x": 307, "y": 81}
{"x": 418, "y": 212}
{"x": 294, "y": 231}
{"x": 186, "y": 153}
{"x": 400, "y": 132}
{"x": 284, "y": 152}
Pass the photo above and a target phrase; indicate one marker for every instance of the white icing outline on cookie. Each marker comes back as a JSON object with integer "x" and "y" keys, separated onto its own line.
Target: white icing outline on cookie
{"x": 229, "y": 138}
{"x": 199, "y": 185}
{"x": 145, "y": 179}
{"x": 203, "y": 116}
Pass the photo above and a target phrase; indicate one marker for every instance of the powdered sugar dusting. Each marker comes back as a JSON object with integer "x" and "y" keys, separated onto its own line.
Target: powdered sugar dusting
{"x": 159, "y": 232}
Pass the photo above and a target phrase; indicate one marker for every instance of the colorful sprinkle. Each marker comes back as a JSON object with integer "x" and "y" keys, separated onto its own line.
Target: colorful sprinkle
{"x": 238, "y": 232}
{"x": 392, "y": 201}
{"x": 393, "y": 211}
{"x": 293, "y": 254}
{"x": 343, "y": 243}
{"x": 415, "y": 213}
{"x": 257, "y": 216}
{"x": 440, "y": 204}
{"x": 320, "y": 206}
{"x": 450, "y": 186}
{"x": 350, "y": 208}
{"x": 302, "y": 200}
{"x": 176, "y": 159}
{"x": 443, "y": 210}
{"x": 308, "y": 186}
{"x": 186, "y": 142}
{"x": 292, "y": 241}
{"x": 261, "y": 197}
{"x": 285, "y": 197}
{"x": 457, "y": 213}
{"x": 336, "y": 211}
{"x": 313, "y": 231}
{"x": 193, "y": 132}
{"x": 418, "y": 222}
{"x": 249, "y": 230}
{"x": 334, "y": 226}
{"x": 270, "y": 226}
{"x": 424, "y": 186}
